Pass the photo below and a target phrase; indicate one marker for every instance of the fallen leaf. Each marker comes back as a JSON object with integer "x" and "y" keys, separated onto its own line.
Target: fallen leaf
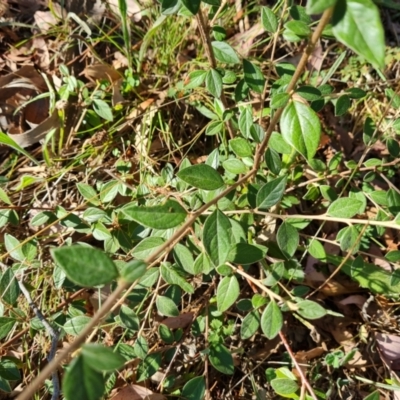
{"x": 136, "y": 392}
{"x": 181, "y": 321}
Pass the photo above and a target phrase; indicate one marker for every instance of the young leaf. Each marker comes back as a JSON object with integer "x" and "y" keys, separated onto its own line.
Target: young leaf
{"x": 271, "y": 320}
{"x": 83, "y": 382}
{"x": 250, "y": 325}
{"x": 9, "y": 288}
{"x": 227, "y": 292}
{"x": 85, "y": 266}
{"x": 234, "y": 166}
{"x": 214, "y": 83}
{"x": 201, "y": 176}
{"x": 101, "y": 358}
{"x": 310, "y": 309}
{"x": 344, "y": 207}
{"x": 221, "y": 359}
{"x": 287, "y": 238}
{"x": 194, "y": 389}
{"x": 357, "y": 24}
{"x": 319, "y": 6}
{"x": 102, "y": 109}
{"x": 224, "y": 52}
{"x": 253, "y": 76}
{"x": 166, "y": 306}
{"x": 165, "y": 216}
{"x": 217, "y": 235}
{"x": 269, "y": 20}
{"x": 284, "y": 386}
{"x": 301, "y": 128}
{"x": 271, "y": 193}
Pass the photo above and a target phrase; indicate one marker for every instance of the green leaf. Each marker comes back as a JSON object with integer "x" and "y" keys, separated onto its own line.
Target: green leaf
{"x": 196, "y": 78}
{"x": 141, "y": 347}
{"x": 101, "y": 358}
{"x": 299, "y": 28}
{"x": 173, "y": 278}
{"x": 6, "y": 140}
{"x": 85, "y": 266}
{"x": 6, "y": 324}
{"x": 273, "y": 160}
{"x": 128, "y": 318}
{"x": 348, "y": 238}
{"x": 244, "y": 253}
{"x": 103, "y": 110}
{"x": 214, "y": 127}
{"x": 319, "y": 6}
{"x": 271, "y": 193}
{"x": 221, "y": 359}
{"x": 268, "y": 20}
{"x": 393, "y": 200}
{"x": 278, "y": 143}
{"x": 310, "y": 309}
{"x": 147, "y": 246}
{"x": 316, "y": 249}
{"x": 246, "y": 121}
{"x": 133, "y": 270}
{"x": 194, "y": 389}
{"x": 227, "y": 292}
{"x": 14, "y": 247}
{"x": 279, "y": 100}
{"x": 344, "y": 207}
{"x": 165, "y": 216}
{"x": 9, "y": 370}
{"x": 284, "y": 386}
{"x": 184, "y": 258}
{"x": 310, "y": 93}
{"x": 169, "y": 7}
{"x": 217, "y": 237}
{"x": 201, "y": 176}
{"x": 166, "y": 306}
{"x": 82, "y": 382}
{"x": 342, "y": 105}
{"x": 75, "y": 326}
{"x": 224, "y": 53}
{"x": 4, "y": 197}
{"x": 9, "y": 288}
{"x": 192, "y": 5}
{"x": 88, "y": 193}
{"x": 148, "y": 367}
{"x": 253, "y": 76}
{"x": 214, "y": 83}
{"x": 301, "y": 128}
{"x": 234, "y": 166}
{"x": 241, "y": 147}
{"x": 271, "y": 320}
{"x": 357, "y": 24}
{"x": 250, "y": 325}
{"x": 287, "y": 238}
{"x": 5, "y": 385}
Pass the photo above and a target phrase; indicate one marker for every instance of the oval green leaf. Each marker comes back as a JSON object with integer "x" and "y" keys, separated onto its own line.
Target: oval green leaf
{"x": 287, "y": 238}
{"x": 224, "y": 52}
{"x": 271, "y": 320}
{"x": 166, "y": 306}
{"x": 227, "y": 292}
{"x": 271, "y": 193}
{"x": 310, "y": 309}
{"x": 221, "y": 359}
{"x": 344, "y": 208}
{"x": 101, "y": 358}
{"x": 201, "y": 176}
{"x": 194, "y": 389}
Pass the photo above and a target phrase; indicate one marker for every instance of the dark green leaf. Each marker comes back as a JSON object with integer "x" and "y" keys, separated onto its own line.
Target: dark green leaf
{"x": 201, "y": 176}
{"x": 171, "y": 276}
{"x": 227, "y": 292}
{"x": 273, "y": 161}
{"x": 214, "y": 83}
{"x": 146, "y": 247}
{"x": 288, "y": 239}
{"x": 165, "y": 216}
{"x": 271, "y": 193}
{"x": 393, "y": 200}
{"x": 9, "y": 288}
{"x": 253, "y": 76}
{"x": 284, "y": 386}
{"x": 101, "y": 358}
{"x": 83, "y": 382}
{"x": 221, "y": 359}
{"x": 310, "y": 93}
{"x": 357, "y": 24}
{"x": 194, "y": 389}
{"x": 8, "y": 370}
{"x": 224, "y": 53}
{"x": 217, "y": 235}
{"x": 141, "y": 347}
{"x": 299, "y": 28}
{"x": 342, "y": 105}
{"x": 192, "y": 5}
{"x": 6, "y": 324}
{"x": 85, "y": 266}
{"x": 128, "y": 318}
{"x": 184, "y": 258}
{"x": 244, "y": 253}
{"x": 196, "y": 78}
{"x": 301, "y": 128}
{"x": 271, "y": 320}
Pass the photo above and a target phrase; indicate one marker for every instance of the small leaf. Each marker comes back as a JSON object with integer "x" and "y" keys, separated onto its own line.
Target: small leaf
{"x": 6, "y": 324}
{"x": 141, "y": 347}
{"x": 310, "y": 309}
{"x": 246, "y": 121}
{"x": 192, "y": 5}
{"x": 85, "y": 266}
{"x": 4, "y": 197}
{"x": 299, "y": 28}
{"x": 357, "y": 24}
{"x": 214, "y": 83}
{"x": 133, "y": 270}
{"x": 148, "y": 367}
{"x": 217, "y": 237}
{"x": 165, "y": 216}
{"x": 234, "y": 166}
{"x": 201, "y": 176}
{"x": 344, "y": 207}
{"x": 173, "y": 278}
{"x": 147, "y": 246}
{"x": 9, "y": 288}
{"x": 309, "y": 93}
{"x": 279, "y": 100}
{"x": 194, "y": 389}
{"x": 301, "y": 128}
{"x": 250, "y": 325}
{"x": 128, "y": 318}
{"x": 196, "y": 78}
{"x": 101, "y": 358}
{"x": 241, "y": 147}
{"x": 269, "y": 20}
{"x": 103, "y": 110}
{"x": 83, "y": 382}
{"x": 273, "y": 160}
{"x": 221, "y": 359}
{"x": 271, "y": 320}
{"x": 319, "y": 6}
{"x": 88, "y": 193}
{"x": 227, "y": 292}
{"x": 271, "y": 193}
{"x": 253, "y": 76}
{"x": 75, "y": 326}
{"x": 244, "y": 253}
{"x": 284, "y": 386}
{"x": 224, "y": 53}
{"x": 9, "y": 370}
{"x": 342, "y": 105}
{"x": 184, "y": 258}
{"x": 287, "y": 238}
{"x": 166, "y": 306}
